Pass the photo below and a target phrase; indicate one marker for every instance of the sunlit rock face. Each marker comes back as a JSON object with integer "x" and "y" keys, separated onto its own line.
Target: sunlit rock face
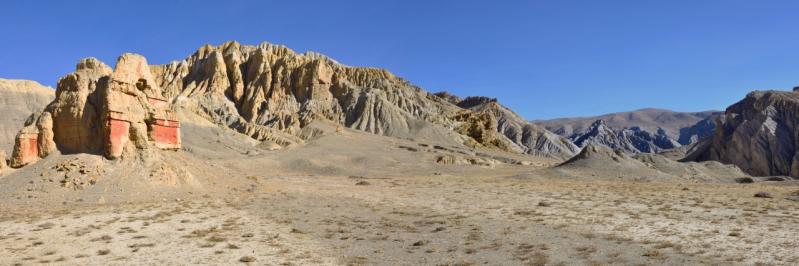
{"x": 270, "y": 92}
{"x": 103, "y": 111}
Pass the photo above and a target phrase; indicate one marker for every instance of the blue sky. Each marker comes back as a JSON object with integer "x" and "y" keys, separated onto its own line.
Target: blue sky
{"x": 544, "y": 59}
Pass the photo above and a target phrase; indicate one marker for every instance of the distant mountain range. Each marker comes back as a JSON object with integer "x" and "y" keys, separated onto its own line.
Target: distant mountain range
{"x": 641, "y": 131}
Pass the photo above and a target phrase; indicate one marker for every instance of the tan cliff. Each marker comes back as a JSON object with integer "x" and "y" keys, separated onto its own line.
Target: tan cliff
{"x": 267, "y": 92}
{"x": 18, "y": 99}
{"x": 102, "y": 111}
{"x": 270, "y": 92}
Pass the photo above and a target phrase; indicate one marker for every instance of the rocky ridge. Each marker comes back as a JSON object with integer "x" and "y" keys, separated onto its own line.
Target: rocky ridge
{"x": 758, "y": 134}
{"x": 684, "y": 128}
{"x": 267, "y": 92}
{"x": 523, "y": 136}
{"x": 98, "y": 110}
{"x": 631, "y": 140}
{"x": 270, "y": 92}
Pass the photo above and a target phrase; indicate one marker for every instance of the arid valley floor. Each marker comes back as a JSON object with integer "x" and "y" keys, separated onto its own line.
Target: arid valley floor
{"x": 383, "y": 202}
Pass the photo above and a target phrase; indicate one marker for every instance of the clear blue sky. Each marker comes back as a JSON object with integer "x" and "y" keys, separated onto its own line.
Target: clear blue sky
{"x": 544, "y": 59}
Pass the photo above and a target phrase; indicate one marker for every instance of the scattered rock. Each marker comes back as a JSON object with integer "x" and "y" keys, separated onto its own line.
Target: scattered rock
{"x": 420, "y": 243}
{"x": 76, "y": 174}
{"x": 362, "y": 183}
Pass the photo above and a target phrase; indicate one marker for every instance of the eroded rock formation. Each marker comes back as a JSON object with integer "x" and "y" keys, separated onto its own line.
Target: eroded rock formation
{"x": 684, "y": 127}
{"x": 516, "y": 134}
{"x": 630, "y": 140}
{"x": 267, "y": 92}
{"x": 103, "y": 111}
{"x": 270, "y": 92}
{"x": 760, "y": 134}
{"x": 18, "y": 99}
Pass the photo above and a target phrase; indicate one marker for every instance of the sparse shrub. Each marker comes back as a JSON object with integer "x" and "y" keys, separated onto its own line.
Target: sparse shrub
{"x": 763, "y": 194}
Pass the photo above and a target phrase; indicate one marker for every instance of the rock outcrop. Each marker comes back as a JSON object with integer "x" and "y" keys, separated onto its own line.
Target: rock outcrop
{"x": 267, "y": 92}
{"x": 451, "y": 98}
{"x": 699, "y": 131}
{"x": 759, "y": 134}
{"x": 270, "y": 92}
{"x": 630, "y": 140}
{"x": 521, "y": 135}
{"x": 18, "y": 99}
{"x": 103, "y": 111}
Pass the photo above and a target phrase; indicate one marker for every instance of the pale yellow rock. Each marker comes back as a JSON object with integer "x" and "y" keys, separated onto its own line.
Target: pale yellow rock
{"x": 18, "y": 99}
{"x": 3, "y": 164}
{"x": 99, "y": 110}
{"x": 252, "y": 88}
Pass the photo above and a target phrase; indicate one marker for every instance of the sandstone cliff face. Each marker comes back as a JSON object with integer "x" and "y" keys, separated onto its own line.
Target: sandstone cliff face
{"x": 102, "y": 111}
{"x": 760, "y": 134}
{"x": 269, "y": 92}
{"x": 18, "y": 99}
{"x": 517, "y": 133}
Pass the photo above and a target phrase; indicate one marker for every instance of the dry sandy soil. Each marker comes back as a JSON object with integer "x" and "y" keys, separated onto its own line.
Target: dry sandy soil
{"x": 348, "y": 198}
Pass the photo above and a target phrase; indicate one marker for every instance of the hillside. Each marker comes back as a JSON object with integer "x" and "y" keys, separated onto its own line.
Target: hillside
{"x": 18, "y": 99}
